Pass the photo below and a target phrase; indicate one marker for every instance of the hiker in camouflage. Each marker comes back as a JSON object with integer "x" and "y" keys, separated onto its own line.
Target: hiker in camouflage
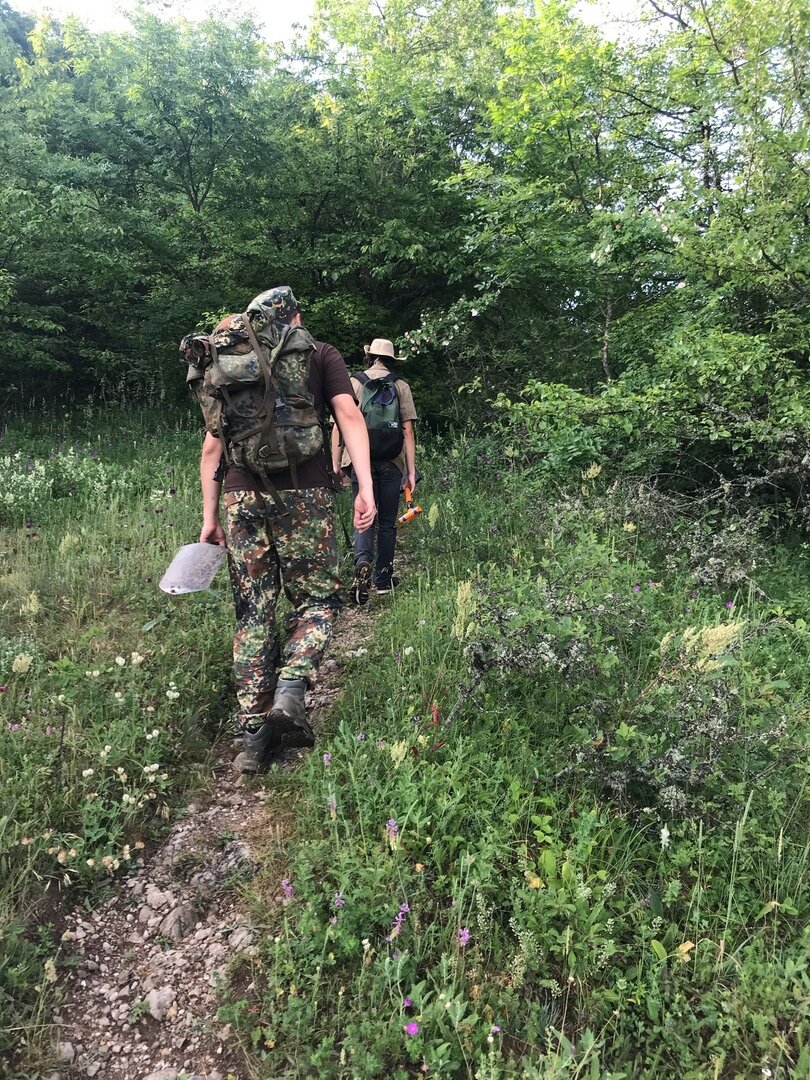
{"x": 284, "y": 542}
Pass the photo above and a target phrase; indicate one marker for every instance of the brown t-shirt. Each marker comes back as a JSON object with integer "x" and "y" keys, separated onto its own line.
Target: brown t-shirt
{"x": 328, "y": 377}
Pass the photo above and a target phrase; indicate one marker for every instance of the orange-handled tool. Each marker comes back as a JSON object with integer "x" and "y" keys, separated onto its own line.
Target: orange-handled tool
{"x": 411, "y": 509}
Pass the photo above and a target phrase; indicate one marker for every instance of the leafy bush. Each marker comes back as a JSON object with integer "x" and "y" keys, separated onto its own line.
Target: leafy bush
{"x": 719, "y": 409}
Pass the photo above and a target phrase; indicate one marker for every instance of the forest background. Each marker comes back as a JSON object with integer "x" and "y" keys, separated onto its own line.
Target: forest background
{"x": 595, "y": 255}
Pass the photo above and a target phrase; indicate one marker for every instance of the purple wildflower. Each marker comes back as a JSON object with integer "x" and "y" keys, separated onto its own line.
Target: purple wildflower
{"x": 287, "y": 889}
{"x": 412, "y": 1028}
{"x": 333, "y": 920}
{"x": 407, "y": 1003}
{"x": 495, "y": 1029}
{"x": 391, "y": 827}
{"x": 398, "y": 921}
{"x": 636, "y": 588}
{"x": 327, "y": 759}
{"x": 338, "y": 900}
{"x": 463, "y": 936}
{"x": 3, "y": 689}
{"x": 360, "y": 736}
{"x": 729, "y": 604}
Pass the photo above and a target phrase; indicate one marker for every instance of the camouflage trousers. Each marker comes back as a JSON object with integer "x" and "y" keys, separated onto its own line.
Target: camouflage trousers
{"x": 268, "y": 551}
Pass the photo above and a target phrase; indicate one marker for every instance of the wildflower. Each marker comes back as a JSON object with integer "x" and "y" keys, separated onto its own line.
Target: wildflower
{"x": 287, "y": 889}
{"x": 118, "y": 695}
{"x": 729, "y": 604}
{"x": 629, "y": 527}
{"x": 495, "y": 1030}
{"x": 25, "y": 841}
{"x": 407, "y": 650}
{"x": 150, "y": 708}
{"x": 407, "y": 1003}
{"x": 333, "y": 920}
{"x": 331, "y": 806}
{"x": 338, "y": 900}
{"x": 327, "y": 759}
{"x": 95, "y": 674}
{"x": 463, "y": 936}
{"x": 664, "y": 838}
{"x": 398, "y": 921}
{"x": 120, "y": 661}
{"x": 87, "y": 772}
{"x": 172, "y": 695}
{"x": 474, "y": 312}
{"x": 21, "y": 663}
{"x": 360, "y": 736}
{"x": 636, "y": 588}
{"x": 90, "y": 862}
{"x": 412, "y": 1028}
{"x": 3, "y": 689}
{"x": 391, "y": 832}
{"x": 398, "y": 751}
{"x": 136, "y": 659}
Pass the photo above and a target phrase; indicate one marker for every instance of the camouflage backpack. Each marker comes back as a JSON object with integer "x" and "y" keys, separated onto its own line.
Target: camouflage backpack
{"x": 251, "y": 379}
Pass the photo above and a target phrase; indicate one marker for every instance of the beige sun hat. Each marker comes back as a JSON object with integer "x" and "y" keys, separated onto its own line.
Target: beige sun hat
{"x": 381, "y": 346}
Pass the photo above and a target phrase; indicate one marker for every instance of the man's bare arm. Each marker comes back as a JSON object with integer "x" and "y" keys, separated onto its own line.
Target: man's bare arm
{"x": 355, "y": 437}
{"x": 212, "y": 532}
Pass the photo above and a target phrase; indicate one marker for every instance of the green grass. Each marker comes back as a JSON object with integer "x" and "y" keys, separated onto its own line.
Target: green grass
{"x": 112, "y": 691}
{"x": 598, "y": 866}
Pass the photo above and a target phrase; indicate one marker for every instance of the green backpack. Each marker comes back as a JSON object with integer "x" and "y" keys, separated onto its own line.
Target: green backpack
{"x": 251, "y": 379}
{"x": 379, "y": 405}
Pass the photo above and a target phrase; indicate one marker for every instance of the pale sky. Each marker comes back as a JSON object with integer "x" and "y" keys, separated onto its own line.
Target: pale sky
{"x": 278, "y": 15}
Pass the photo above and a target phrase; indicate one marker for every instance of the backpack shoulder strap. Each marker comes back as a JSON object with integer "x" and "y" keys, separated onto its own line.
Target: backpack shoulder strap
{"x": 361, "y": 377}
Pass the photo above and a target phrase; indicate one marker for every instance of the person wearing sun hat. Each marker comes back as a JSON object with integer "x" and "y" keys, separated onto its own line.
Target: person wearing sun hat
{"x": 392, "y": 466}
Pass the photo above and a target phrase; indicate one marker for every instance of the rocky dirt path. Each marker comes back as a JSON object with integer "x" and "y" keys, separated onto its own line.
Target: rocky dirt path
{"x": 142, "y": 991}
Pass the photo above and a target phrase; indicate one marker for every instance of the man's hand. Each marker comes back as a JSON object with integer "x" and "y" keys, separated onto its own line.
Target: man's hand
{"x": 410, "y": 481}
{"x": 364, "y": 510}
{"x": 213, "y": 534}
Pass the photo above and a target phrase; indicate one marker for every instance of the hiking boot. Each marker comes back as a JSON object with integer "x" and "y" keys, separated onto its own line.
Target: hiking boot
{"x": 387, "y": 585}
{"x": 259, "y": 743}
{"x": 362, "y": 582}
{"x": 289, "y": 714}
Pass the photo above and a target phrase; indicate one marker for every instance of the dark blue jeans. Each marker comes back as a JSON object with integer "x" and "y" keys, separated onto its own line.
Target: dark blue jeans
{"x": 387, "y": 480}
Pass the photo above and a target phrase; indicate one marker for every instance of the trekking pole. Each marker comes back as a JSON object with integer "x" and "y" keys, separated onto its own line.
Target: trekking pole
{"x": 411, "y": 510}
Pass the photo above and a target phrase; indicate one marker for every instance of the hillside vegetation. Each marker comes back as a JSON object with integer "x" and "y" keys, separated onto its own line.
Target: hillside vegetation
{"x": 558, "y": 824}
